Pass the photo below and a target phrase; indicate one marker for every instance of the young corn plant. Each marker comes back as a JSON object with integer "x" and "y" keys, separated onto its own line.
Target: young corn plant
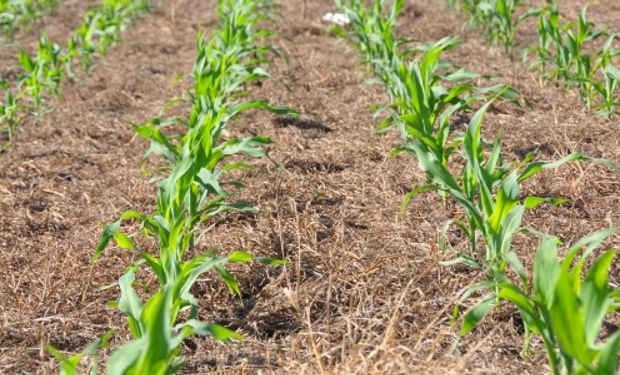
{"x": 424, "y": 94}
{"x": 571, "y": 54}
{"x": 101, "y": 28}
{"x": 487, "y": 189}
{"x": 9, "y": 115}
{"x": 568, "y": 311}
{"x": 499, "y": 19}
{"x": 423, "y": 109}
{"x": 43, "y": 73}
{"x": 489, "y": 192}
{"x": 190, "y": 196}
{"x": 607, "y": 89}
{"x": 548, "y": 32}
{"x": 374, "y": 32}
{"x": 22, "y": 13}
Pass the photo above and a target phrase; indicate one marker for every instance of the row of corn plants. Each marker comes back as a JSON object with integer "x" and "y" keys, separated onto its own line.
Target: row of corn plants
{"x": 42, "y": 73}
{"x": 191, "y": 193}
{"x": 15, "y": 14}
{"x": 580, "y": 55}
{"x": 425, "y": 93}
{"x": 575, "y": 53}
{"x": 498, "y": 19}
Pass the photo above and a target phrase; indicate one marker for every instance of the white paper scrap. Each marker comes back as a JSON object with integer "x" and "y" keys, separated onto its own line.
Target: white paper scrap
{"x": 339, "y": 19}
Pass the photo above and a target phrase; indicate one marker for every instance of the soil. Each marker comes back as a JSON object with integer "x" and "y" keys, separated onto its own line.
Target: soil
{"x": 364, "y": 291}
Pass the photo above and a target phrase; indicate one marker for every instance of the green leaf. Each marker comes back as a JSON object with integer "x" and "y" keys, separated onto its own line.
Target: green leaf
{"x": 123, "y": 241}
{"x": 592, "y": 241}
{"x": 461, "y": 75}
{"x": 192, "y": 269}
{"x": 412, "y": 194}
{"x": 26, "y": 61}
{"x": 125, "y": 356}
{"x": 546, "y": 270}
{"x": 463, "y": 259}
{"x": 155, "y": 356}
{"x": 272, "y": 261}
{"x": 533, "y": 202}
{"x": 510, "y": 292}
{"x": 222, "y": 333}
{"x": 155, "y": 265}
{"x": 507, "y": 198}
{"x": 608, "y": 361}
{"x": 70, "y": 365}
{"x": 595, "y": 295}
{"x": 130, "y": 303}
{"x": 130, "y": 214}
{"x": 240, "y": 257}
{"x": 537, "y": 167}
{"x": 568, "y": 321}
{"x": 106, "y": 236}
{"x": 476, "y": 314}
{"x": 229, "y": 279}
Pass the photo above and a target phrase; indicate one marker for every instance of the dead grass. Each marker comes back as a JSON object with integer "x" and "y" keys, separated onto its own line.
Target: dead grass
{"x": 364, "y": 292}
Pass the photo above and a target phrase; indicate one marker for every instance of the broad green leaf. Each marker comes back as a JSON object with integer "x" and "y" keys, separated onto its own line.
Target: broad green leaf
{"x": 595, "y": 295}
{"x": 130, "y": 214}
{"x": 515, "y": 295}
{"x": 26, "y": 61}
{"x": 156, "y": 266}
{"x": 125, "y": 357}
{"x": 608, "y": 361}
{"x": 546, "y": 271}
{"x": 568, "y": 321}
{"x": 156, "y": 319}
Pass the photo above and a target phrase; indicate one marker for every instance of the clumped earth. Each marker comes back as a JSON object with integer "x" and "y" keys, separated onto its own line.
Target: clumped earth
{"x": 364, "y": 291}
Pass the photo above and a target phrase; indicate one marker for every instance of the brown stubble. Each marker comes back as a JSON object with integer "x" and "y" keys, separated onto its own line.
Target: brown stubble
{"x": 364, "y": 291}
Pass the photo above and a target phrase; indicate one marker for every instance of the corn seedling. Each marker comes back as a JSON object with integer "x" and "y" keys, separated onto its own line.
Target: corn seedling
{"x": 487, "y": 189}
{"x": 568, "y": 52}
{"x": 103, "y": 27}
{"x": 566, "y": 311}
{"x": 9, "y": 114}
{"x": 498, "y": 18}
{"x": 563, "y": 53}
{"x": 43, "y": 73}
{"x": 489, "y": 193}
{"x": 20, "y": 13}
{"x": 189, "y": 196}
{"x": 424, "y": 108}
